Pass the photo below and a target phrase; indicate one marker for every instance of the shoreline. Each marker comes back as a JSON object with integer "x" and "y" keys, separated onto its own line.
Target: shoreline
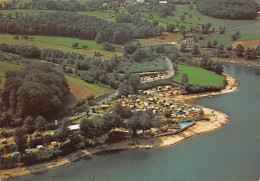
{"x": 202, "y": 126}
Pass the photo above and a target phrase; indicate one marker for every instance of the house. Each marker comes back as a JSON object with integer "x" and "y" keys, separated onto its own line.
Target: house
{"x": 140, "y": 1}
{"x": 74, "y": 127}
{"x": 28, "y": 151}
{"x": 16, "y": 153}
{"x": 40, "y": 147}
{"x": 3, "y": 141}
{"x": 189, "y": 40}
{"x": 163, "y": 2}
{"x": 54, "y": 144}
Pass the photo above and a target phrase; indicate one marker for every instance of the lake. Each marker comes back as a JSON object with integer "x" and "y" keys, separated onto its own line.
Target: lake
{"x": 229, "y": 153}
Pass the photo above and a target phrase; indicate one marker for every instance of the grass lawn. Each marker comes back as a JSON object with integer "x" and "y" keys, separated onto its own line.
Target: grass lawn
{"x": 4, "y": 67}
{"x": 95, "y": 88}
{"x": 148, "y": 66}
{"x": 199, "y": 76}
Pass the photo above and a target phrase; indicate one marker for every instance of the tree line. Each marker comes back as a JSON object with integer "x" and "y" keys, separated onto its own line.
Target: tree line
{"x": 231, "y": 9}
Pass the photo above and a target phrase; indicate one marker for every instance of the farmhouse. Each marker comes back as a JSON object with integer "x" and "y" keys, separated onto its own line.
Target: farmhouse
{"x": 163, "y": 2}
{"x": 189, "y": 40}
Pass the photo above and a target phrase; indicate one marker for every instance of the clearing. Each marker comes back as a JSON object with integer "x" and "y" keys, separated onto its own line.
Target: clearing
{"x": 199, "y": 76}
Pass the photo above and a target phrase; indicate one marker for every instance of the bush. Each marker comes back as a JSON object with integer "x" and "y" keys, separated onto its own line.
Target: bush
{"x": 108, "y": 47}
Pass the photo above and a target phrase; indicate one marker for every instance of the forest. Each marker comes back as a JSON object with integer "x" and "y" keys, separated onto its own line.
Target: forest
{"x": 229, "y": 9}
{"x": 36, "y": 90}
{"x": 79, "y": 26}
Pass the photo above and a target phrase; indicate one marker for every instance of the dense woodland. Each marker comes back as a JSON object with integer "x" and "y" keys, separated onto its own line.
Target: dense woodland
{"x": 80, "y": 26}
{"x": 37, "y": 89}
{"x": 229, "y": 9}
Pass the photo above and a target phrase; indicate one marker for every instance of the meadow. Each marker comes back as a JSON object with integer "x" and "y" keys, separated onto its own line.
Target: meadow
{"x": 146, "y": 66}
{"x": 199, "y": 76}
{"x": 226, "y": 40}
{"x": 106, "y": 55}
{"x": 92, "y": 87}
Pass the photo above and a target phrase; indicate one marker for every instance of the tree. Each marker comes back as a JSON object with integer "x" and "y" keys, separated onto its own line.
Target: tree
{"x": 20, "y": 138}
{"x": 209, "y": 45}
{"x": 29, "y": 123}
{"x": 183, "y": 48}
{"x": 16, "y": 37}
{"x": 130, "y": 48}
{"x": 190, "y": 7}
{"x": 184, "y": 79}
{"x": 31, "y": 38}
{"x": 239, "y": 50}
{"x": 215, "y": 43}
{"x": 195, "y": 49}
{"x": 84, "y": 46}
{"x": 63, "y": 132}
{"x": 123, "y": 112}
{"x": 170, "y": 27}
{"x": 108, "y": 47}
{"x": 220, "y": 49}
{"x": 40, "y": 124}
{"x": 75, "y": 45}
{"x": 133, "y": 124}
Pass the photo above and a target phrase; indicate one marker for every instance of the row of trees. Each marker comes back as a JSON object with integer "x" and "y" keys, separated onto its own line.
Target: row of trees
{"x": 68, "y": 25}
{"x": 232, "y": 9}
{"x": 81, "y": 26}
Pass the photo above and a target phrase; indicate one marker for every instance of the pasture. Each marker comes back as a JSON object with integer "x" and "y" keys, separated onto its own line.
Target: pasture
{"x": 199, "y": 76}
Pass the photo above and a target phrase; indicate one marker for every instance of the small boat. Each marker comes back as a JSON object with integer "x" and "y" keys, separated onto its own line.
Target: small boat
{"x": 223, "y": 123}
{"x": 226, "y": 120}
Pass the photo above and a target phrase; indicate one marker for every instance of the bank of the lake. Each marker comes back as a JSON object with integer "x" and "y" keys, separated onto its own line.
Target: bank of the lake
{"x": 230, "y": 153}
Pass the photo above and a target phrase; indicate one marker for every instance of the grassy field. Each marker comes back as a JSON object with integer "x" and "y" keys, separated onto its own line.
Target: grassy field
{"x": 156, "y": 65}
{"x": 167, "y": 37}
{"x": 199, "y": 76}
{"x": 251, "y": 43}
{"x": 207, "y": 19}
{"x": 4, "y": 67}
{"x": 88, "y": 52}
{"x": 197, "y": 19}
{"x": 92, "y": 87}
{"x": 226, "y": 40}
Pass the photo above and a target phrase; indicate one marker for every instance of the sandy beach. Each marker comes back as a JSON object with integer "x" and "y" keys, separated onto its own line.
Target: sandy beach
{"x": 146, "y": 142}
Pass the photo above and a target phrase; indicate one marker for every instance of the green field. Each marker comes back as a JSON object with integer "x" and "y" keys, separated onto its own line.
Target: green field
{"x": 197, "y": 19}
{"x": 4, "y": 67}
{"x": 147, "y": 66}
{"x": 226, "y": 40}
{"x": 92, "y": 87}
{"x": 199, "y": 76}
{"x": 108, "y": 15}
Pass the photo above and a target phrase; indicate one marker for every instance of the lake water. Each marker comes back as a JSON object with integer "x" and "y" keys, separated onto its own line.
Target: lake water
{"x": 229, "y": 153}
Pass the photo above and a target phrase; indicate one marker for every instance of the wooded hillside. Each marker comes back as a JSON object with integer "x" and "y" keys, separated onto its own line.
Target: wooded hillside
{"x": 229, "y": 9}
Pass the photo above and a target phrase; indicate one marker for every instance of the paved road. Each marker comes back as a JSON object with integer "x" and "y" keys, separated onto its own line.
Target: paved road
{"x": 166, "y": 43}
